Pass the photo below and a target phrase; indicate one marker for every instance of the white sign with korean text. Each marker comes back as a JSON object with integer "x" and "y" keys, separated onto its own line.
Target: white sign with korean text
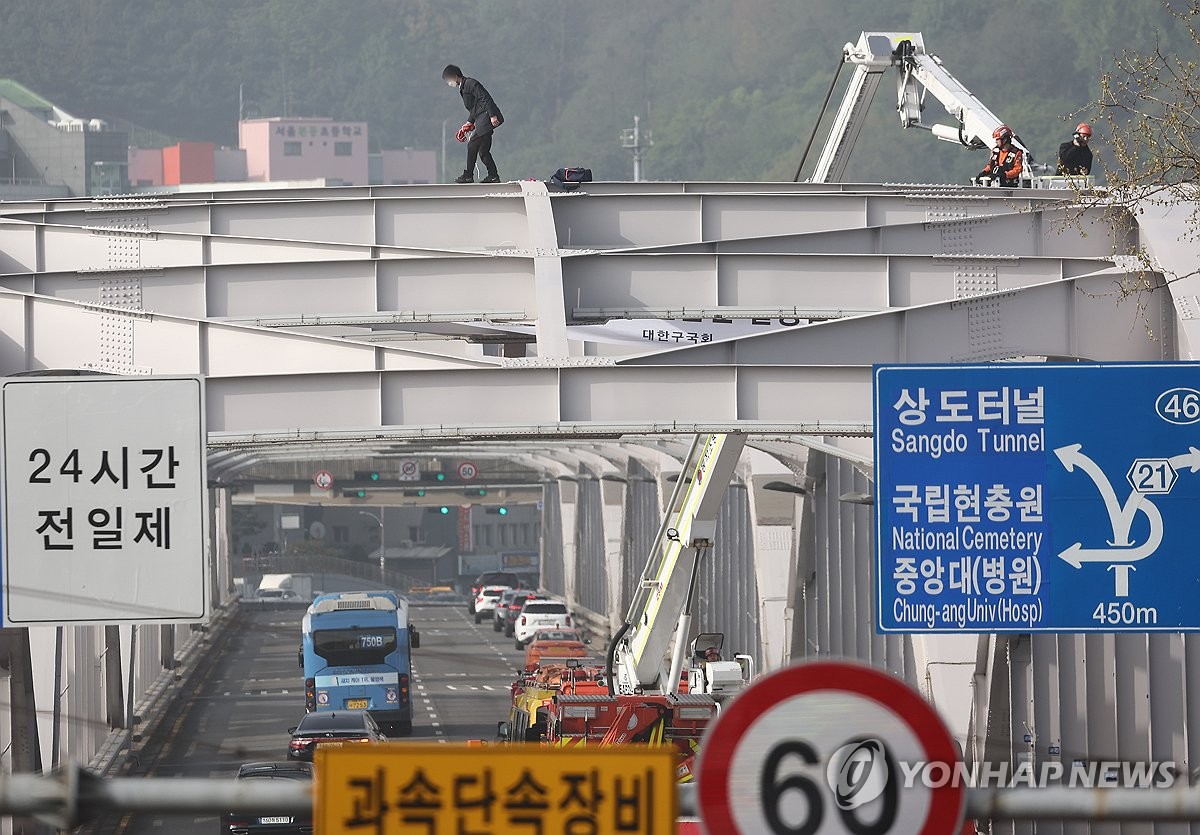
{"x": 104, "y": 500}
{"x": 357, "y": 679}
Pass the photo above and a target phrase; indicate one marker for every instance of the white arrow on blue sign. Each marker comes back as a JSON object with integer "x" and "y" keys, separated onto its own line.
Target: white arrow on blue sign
{"x": 1037, "y": 498}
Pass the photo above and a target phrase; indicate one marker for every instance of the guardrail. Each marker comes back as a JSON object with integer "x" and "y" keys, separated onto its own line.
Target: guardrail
{"x": 594, "y": 625}
{"x": 74, "y": 797}
{"x": 154, "y": 705}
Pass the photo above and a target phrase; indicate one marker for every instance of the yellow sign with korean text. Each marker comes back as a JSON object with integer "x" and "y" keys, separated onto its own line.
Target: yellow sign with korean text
{"x": 401, "y": 788}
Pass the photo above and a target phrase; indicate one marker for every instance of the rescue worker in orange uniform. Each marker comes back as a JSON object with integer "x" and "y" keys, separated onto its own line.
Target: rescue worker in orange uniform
{"x": 1007, "y": 159}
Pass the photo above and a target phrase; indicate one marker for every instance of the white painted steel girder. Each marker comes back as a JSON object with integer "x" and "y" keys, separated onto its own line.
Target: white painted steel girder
{"x": 543, "y": 289}
{"x": 270, "y": 381}
{"x": 1080, "y": 318}
{"x": 474, "y": 220}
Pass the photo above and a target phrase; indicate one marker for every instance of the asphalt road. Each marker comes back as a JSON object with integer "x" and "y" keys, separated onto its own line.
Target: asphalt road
{"x": 252, "y": 692}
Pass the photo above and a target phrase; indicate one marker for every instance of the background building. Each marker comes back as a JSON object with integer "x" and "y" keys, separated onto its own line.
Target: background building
{"x": 46, "y": 152}
{"x": 44, "y": 146}
{"x": 305, "y": 149}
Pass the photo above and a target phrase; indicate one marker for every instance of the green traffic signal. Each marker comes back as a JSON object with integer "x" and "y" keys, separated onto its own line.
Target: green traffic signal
{"x": 441, "y": 476}
{"x": 444, "y": 510}
{"x": 362, "y": 494}
{"x": 503, "y": 511}
{"x": 482, "y": 491}
{"x": 420, "y": 492}
{"x": 374, "y": 476}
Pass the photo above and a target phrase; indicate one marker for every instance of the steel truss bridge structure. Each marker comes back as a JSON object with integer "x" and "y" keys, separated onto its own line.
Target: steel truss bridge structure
{"x": 351, "y": 326}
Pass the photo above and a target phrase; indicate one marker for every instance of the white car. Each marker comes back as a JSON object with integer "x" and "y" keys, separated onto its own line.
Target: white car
{"x": 485, "y": 601}
{"x": 539, "y": 613}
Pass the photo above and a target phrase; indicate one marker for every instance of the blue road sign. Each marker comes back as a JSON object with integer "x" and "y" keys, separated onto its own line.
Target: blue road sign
{"x": 1038, "y": 498}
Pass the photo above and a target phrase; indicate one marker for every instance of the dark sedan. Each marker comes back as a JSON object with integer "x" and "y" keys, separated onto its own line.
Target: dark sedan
{"x": 332, "y": 727}
{"x": 509, "y": 621}
{"x": 259, "y": 823}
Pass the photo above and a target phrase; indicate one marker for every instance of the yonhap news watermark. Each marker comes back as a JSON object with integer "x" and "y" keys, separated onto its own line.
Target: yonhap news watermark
{"x": 861, "y": 771}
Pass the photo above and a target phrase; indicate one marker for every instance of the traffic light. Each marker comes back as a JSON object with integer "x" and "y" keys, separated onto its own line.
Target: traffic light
{"x": 500, "y": 511}
{"x": 440, "y": 476}
{"x": 418, "y": 493}
{"x": 476, "y": 492}
{"x": 374, "y": 476}
{"x": 358, "y": 493}
{"x": 367, "y": 475}
{"x": 443, "y": 510}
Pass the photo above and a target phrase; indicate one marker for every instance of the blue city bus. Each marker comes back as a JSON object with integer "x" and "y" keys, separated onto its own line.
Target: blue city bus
{"x": 355, "y": 654}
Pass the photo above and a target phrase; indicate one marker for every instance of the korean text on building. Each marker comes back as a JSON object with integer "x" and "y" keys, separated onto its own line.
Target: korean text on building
{"x": 1044, "y": 497}
{"x": 430, "y": 789}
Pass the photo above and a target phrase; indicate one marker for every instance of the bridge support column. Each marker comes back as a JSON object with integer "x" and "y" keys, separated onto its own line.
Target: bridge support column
{"x": 113, "y": 699}
{"x": 547, "y": 272}
{"x": 613, "y": 503}
{"x": 568, "y": 503}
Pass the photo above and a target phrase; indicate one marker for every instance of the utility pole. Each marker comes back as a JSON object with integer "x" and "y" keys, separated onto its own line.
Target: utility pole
{"x": 637, "y": 141}
{"x": 382, "y": 544}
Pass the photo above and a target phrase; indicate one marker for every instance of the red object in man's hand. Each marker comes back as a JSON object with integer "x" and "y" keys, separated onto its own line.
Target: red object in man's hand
{"x": 461, "y": 136}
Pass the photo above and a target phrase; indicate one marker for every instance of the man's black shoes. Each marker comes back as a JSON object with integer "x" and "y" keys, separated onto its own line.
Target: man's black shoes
{"x": 491, "y": 178}
{"x": 465, "y": 177}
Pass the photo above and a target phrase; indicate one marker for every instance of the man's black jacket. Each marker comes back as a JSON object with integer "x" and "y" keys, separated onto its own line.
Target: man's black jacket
{"x": 1074, "y": 159}
{"x": 480, "y": 105}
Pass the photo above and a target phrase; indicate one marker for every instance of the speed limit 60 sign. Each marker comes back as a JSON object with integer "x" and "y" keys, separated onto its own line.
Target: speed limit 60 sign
{"x": 830, "y": 747}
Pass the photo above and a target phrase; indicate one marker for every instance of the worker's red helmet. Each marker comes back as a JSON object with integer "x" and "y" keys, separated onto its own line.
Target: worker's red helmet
{"x": 1083, "y": 130}
{"x": 1002, "y": 134}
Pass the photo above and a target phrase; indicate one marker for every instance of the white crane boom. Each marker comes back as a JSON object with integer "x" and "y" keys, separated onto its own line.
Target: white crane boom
{"x": 661, "y": 606}
{"x": 918, "y": 73}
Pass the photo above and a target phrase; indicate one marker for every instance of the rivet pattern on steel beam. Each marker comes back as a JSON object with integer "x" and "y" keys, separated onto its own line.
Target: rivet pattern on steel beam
{"x": 1188, "y": 306}
{"x": 122, "y": 289}
{"x": 942, "y": 206}
{"x": 957, "y": 237}
{"x": 985, "y": 331}
{"x": 975, "y": 279}
{"x": 557, "y": 362}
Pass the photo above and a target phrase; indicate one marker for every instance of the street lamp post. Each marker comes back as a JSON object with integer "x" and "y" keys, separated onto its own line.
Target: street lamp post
{"x": 382, "y": 545}
{"x": 444, "y": 123}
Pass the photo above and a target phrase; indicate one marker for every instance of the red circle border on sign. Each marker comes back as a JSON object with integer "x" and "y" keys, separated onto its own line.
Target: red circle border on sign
{"x": 948, "y": 803}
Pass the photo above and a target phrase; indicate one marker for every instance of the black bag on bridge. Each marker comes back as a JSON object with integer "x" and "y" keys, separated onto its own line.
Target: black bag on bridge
{"x": 568, "y": 179}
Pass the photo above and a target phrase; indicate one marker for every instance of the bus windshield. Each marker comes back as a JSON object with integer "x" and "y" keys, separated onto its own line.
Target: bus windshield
{"x": 354, "y": 647}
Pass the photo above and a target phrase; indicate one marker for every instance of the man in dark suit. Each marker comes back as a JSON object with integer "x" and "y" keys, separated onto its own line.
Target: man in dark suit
{"x": 483, "y": 117}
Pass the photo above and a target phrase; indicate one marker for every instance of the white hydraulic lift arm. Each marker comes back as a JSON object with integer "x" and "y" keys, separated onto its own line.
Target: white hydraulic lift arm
{"x": 661, "y": 607}
{"x": 918, "y": 73}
